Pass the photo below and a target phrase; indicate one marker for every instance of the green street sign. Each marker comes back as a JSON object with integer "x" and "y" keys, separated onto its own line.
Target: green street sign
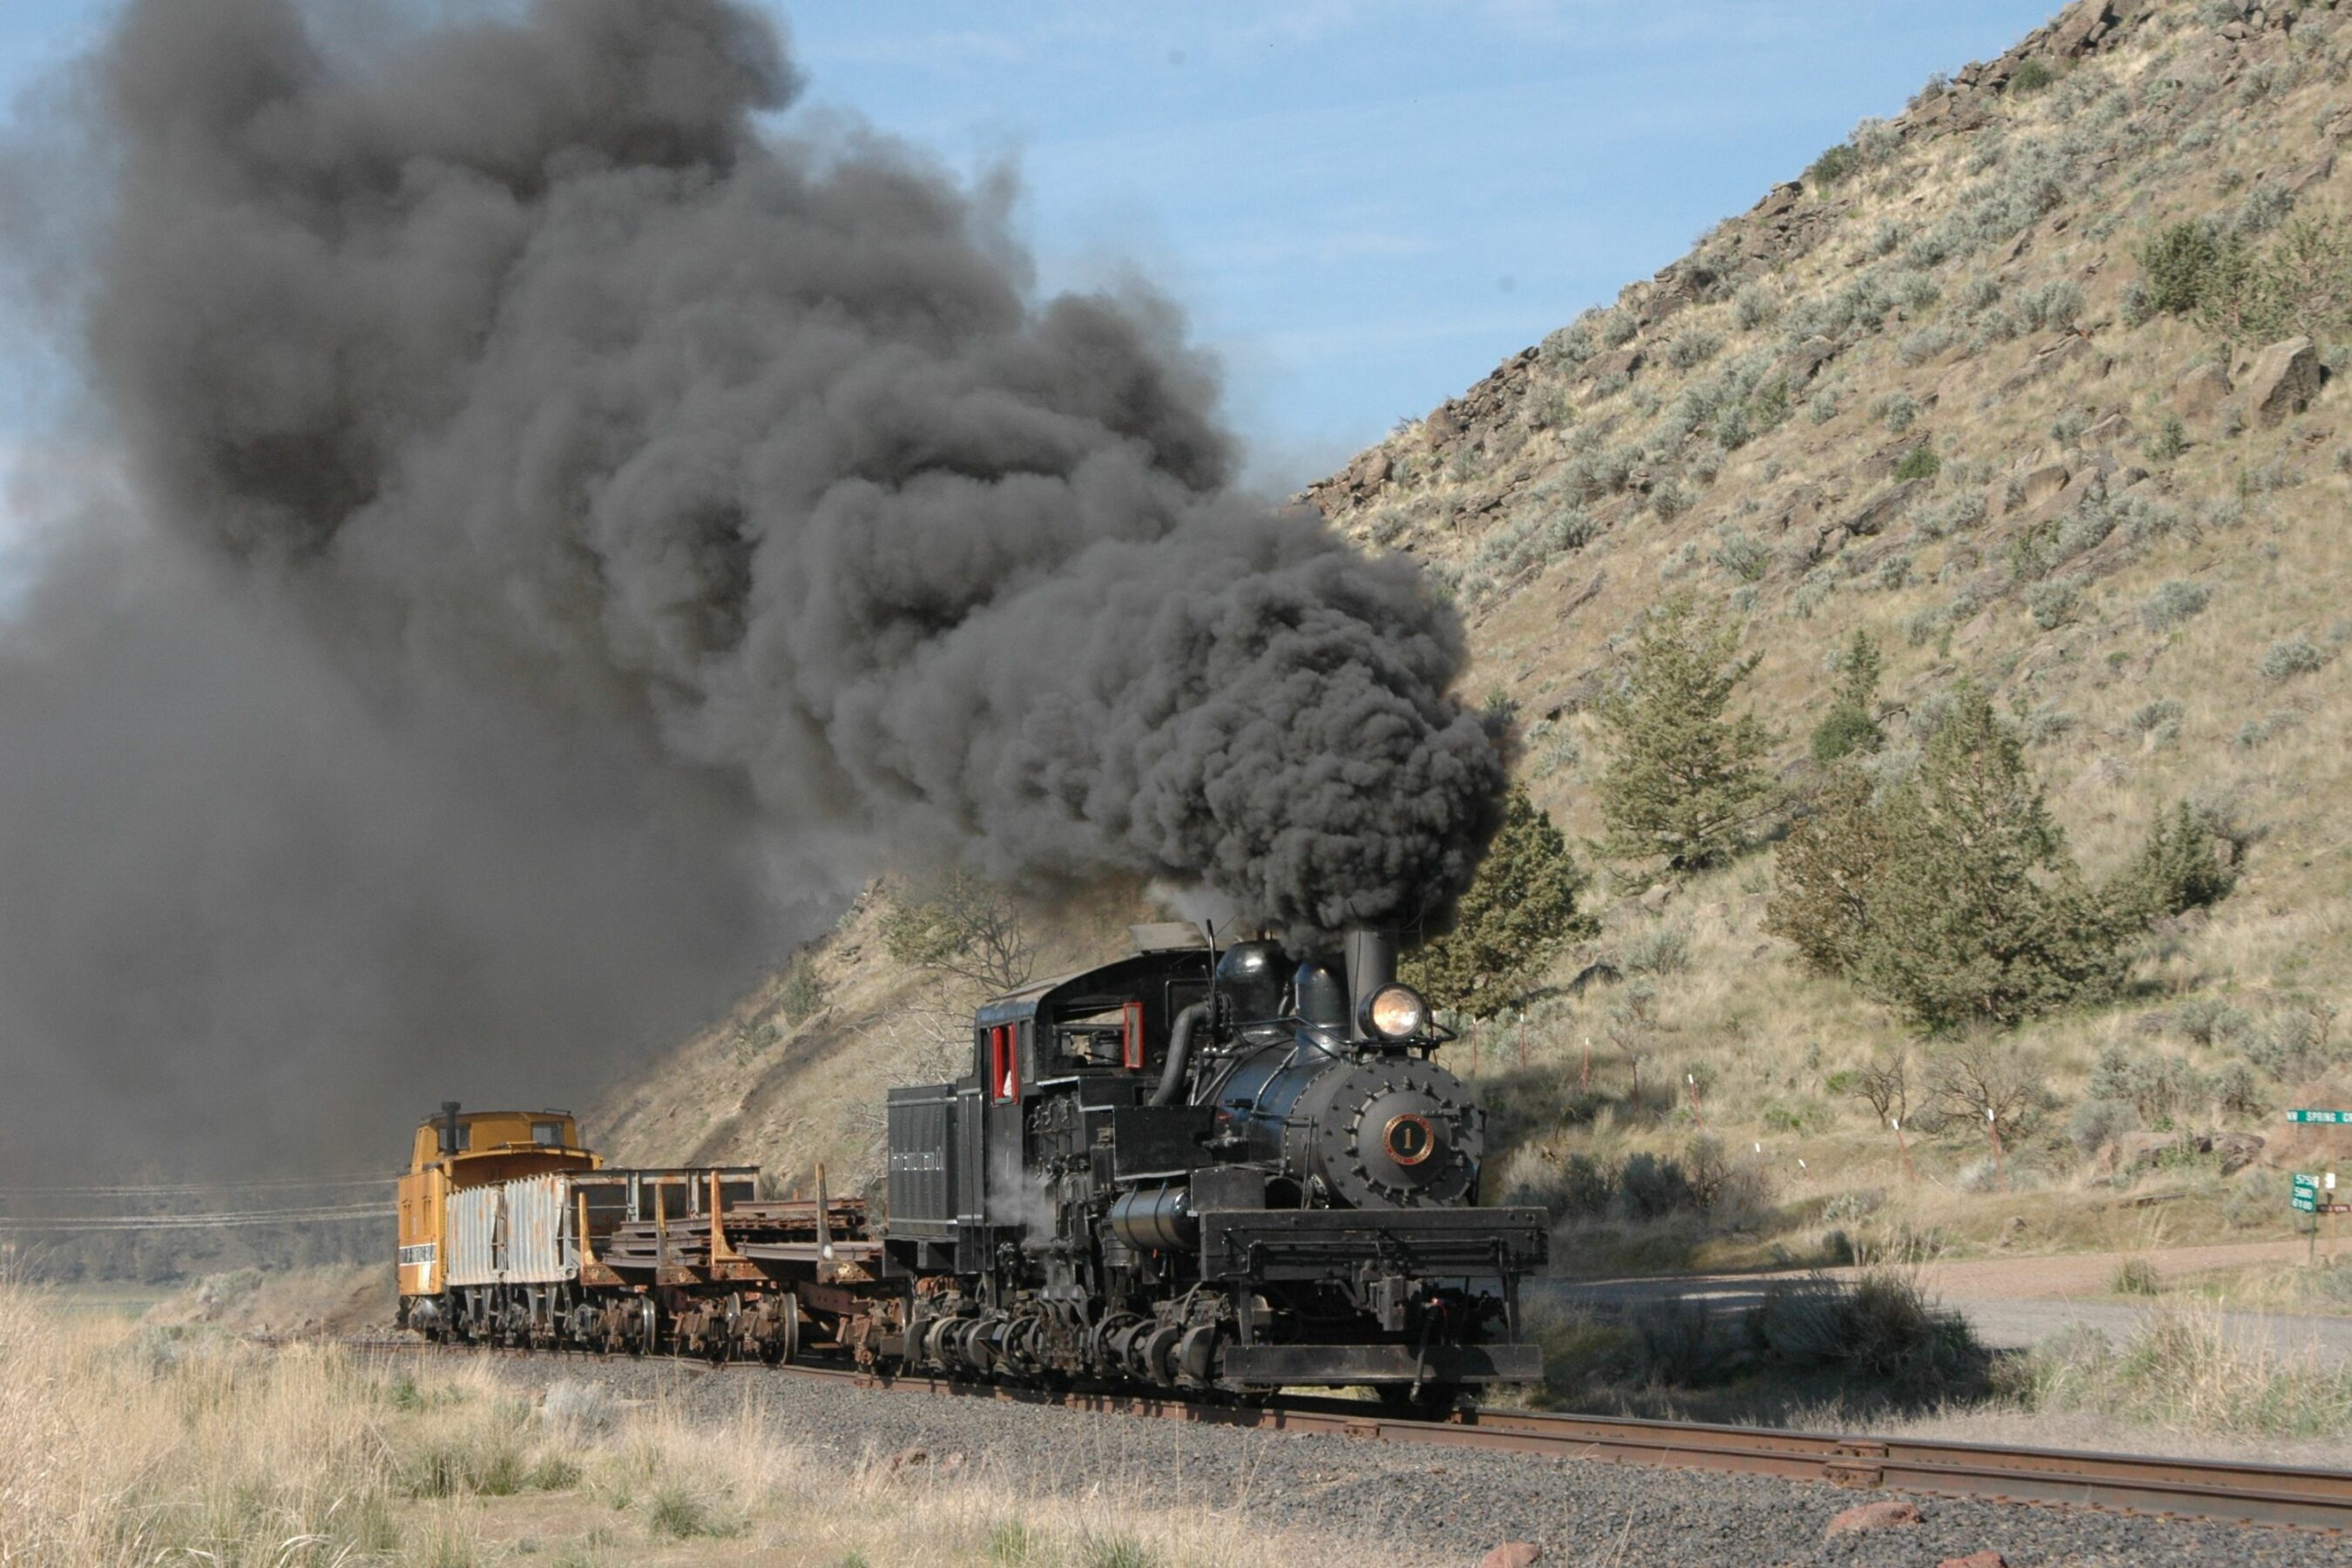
{"x": 2325, "y": 1118}
{"x": 2306, "y": 1183}
{"x": 2307, "y": 1203}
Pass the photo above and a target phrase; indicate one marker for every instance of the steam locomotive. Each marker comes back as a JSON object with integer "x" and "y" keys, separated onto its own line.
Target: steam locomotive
{"x": 1200, "y": 1169}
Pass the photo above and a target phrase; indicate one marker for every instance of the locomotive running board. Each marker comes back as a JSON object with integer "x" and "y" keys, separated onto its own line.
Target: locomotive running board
{"x": 1336, "y": 1365}
{"x": 1434, "y": 1243}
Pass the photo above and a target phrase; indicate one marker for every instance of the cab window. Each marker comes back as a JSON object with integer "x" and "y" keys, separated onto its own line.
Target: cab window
{"x": 548, "y": 1134}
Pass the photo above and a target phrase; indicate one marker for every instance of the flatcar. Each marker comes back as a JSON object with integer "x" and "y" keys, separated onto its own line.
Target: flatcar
{"x": 1233, "y": 1170}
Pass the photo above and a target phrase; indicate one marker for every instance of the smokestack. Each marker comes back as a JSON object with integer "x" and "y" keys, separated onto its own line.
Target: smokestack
{"x": 448, "y": 1127}
{"x": 1370, "y": 956}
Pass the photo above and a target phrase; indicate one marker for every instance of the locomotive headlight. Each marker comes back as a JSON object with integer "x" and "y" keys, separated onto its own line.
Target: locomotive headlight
{"x": 1395, "y": 1013}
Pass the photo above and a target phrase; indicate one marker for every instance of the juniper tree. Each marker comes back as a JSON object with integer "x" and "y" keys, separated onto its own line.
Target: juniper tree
{"x": 1953, "y": 898}
{"x": 1828, "y": 867}
{"x": 1684, "y": 780}
{"x": 1517, "y": 912}
{"x": 1849, "y": 726}
{"x": 2176, "y": 870}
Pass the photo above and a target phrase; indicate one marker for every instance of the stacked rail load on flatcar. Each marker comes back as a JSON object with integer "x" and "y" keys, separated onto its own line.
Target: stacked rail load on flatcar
{"x": 1212, "y": 1171}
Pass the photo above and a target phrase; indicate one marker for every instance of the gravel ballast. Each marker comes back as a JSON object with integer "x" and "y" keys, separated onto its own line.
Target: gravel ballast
{"x": 1421, "y": 1504}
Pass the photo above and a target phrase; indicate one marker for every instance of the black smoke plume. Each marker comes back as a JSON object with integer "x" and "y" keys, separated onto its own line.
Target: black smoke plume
{"x": 667, "y": 487}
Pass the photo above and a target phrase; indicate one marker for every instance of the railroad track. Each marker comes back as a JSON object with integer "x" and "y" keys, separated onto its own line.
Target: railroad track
{"x": 2289, "y": 1496}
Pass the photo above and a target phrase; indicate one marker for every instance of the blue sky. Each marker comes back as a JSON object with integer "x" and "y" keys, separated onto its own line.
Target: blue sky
{"x": 1362, "y": 204}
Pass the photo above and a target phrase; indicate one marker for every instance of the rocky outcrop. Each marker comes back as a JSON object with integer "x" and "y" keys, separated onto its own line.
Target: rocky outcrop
{"x": 2281, "y": 381}
{"x": 2197, "y": 395}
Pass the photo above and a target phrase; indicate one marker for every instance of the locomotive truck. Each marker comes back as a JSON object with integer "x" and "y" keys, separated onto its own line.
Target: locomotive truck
{"x": 1231, "y": 1171}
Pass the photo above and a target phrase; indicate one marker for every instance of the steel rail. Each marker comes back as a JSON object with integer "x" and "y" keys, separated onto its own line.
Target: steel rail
{"x": 2277, "y": 1495}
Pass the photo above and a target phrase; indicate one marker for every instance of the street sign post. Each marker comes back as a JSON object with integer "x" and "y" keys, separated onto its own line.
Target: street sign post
{"x": 2305, "y": 1198}
{"x": 2315, "y": 1196}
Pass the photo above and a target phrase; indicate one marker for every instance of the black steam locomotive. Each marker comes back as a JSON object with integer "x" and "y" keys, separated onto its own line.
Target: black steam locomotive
{"x": 1209, "y": 1170}
{"x": 1189, "y": 1169}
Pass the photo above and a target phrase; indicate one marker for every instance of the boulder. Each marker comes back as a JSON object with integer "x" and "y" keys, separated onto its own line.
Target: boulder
{"x": 1803, "y": 506}
{"x": 1873, "y": 1516}
{"x": 2088, "y": 483}
{"x": 2238, "y": 1150}
{"x": 1872, "y": 516}
{"x": 1441, "y": 425}
{"x": 1372, "y": 469}
{"x": 1657, "y": 896}
{"x": 1512, "y": 1554}
{"x": 2109, "y": 431}
{"x": 1807, "y": 358}
{"x": 2282, "y": 380}
{"x": 2200, "y": 392}
{"x": 1616, "y": 362}
{"x": 2041, "y": 484}
{"x": 2079, "y": 26}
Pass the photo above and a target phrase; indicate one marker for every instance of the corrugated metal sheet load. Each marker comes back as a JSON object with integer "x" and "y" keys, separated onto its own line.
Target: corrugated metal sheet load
{"x": 516, "y": 1232}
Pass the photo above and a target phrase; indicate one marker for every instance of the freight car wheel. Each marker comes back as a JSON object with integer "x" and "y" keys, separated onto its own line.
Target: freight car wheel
{"x": 779, "y": 1347}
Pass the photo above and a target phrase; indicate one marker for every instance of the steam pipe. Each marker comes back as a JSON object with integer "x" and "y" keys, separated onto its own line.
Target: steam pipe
{"x": 448, "y": 1127}
{"x": 1371, "y": 955}
{"x": 1180, "y": 1048}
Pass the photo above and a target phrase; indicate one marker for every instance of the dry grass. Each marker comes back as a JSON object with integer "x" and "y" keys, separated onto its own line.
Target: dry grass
{"x": 123, "y": 1446}
{"x": 2185, "y": 1371}
{"x": 2188, "y": 1383}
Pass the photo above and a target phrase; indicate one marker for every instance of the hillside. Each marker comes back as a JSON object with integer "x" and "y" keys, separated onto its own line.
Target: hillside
{"x": 1929, "y": 392}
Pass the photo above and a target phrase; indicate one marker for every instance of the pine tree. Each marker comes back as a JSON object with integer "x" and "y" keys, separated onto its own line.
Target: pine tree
{"x": 1684, "y": 780}
{"x": 1518, "y": 911}
{"x": 1849, "y": 726}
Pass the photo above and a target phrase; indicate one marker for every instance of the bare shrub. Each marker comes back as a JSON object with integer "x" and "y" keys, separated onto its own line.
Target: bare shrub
{"x": 1881, "y": 1329}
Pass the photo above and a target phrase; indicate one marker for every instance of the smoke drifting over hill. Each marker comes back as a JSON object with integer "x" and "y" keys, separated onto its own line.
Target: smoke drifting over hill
{"x": 575, "y": 495}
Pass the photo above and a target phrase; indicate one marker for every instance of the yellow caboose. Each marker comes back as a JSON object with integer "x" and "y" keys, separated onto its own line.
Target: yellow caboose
{"x": 459, "y": 1149}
